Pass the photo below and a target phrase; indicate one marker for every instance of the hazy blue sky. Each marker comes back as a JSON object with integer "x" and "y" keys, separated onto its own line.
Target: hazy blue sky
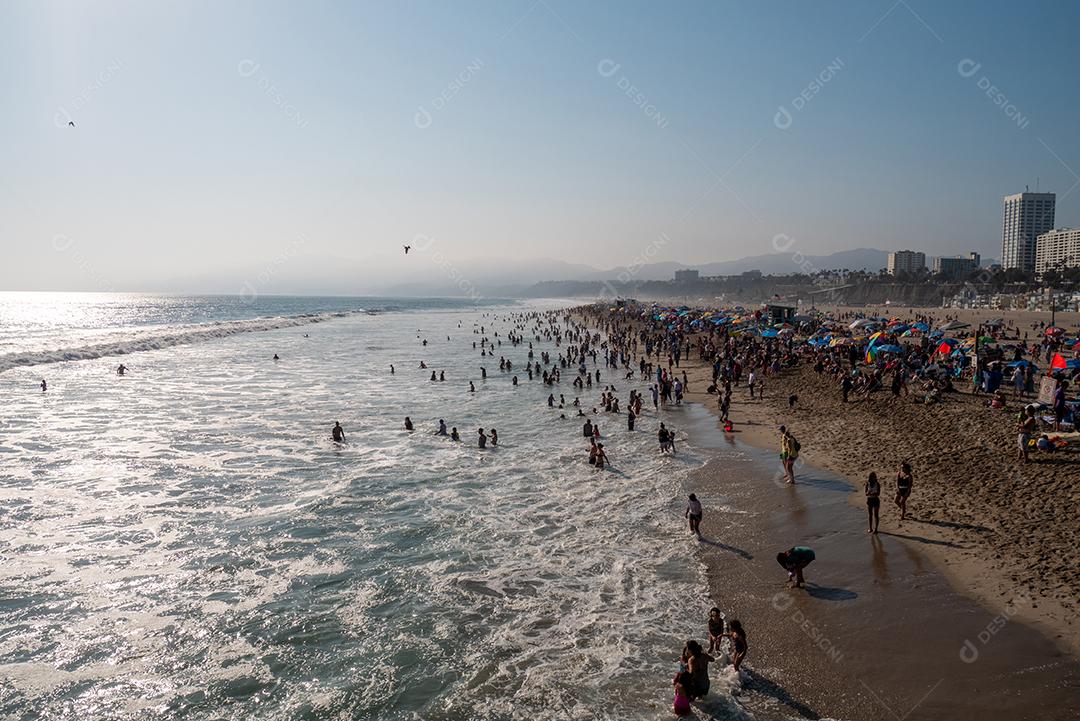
{"x": 225, "y": 139}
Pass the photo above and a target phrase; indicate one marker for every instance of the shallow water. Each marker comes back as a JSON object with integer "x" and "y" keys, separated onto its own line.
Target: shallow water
{"x": 186, "y": 541}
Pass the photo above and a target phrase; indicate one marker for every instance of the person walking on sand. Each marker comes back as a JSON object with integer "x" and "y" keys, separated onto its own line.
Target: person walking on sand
{"x": 905, "y": 480}
{"x": 872, "y": 489}
{"x": 1024, "y": 428}
{"x": 693, "y": 514}
{"x": 789, "y": 453}
{"x": 794, "y": 560}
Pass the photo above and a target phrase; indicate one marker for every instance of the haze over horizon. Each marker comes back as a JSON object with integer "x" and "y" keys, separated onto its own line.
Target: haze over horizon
{"x": 269, "y": 144}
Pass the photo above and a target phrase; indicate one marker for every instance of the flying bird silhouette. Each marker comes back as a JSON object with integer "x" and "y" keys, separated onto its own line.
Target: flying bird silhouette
{"x": 71, "y": 123}
{"x": 407, "y": 248}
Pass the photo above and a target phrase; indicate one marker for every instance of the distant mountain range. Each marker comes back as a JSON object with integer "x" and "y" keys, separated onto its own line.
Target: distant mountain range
{"x": 512, "y": 278}
{"x": 434, "y": 274}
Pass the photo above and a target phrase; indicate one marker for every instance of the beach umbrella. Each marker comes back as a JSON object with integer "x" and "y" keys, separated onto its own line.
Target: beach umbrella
{"x": 936, "y": 333}
{"x": 1058, "y": 363}
{"x": 771, "y": 333}
{"x": 921, "y": 326}
{"x": 862, "y": 322}
{"x": 1023, "y": 364}
{"x": 1073, "y": 364}
{"x": 995, "y": 323}
{"x": 888, "y": 348}
{"x": 955, "y": 325}
{"x": 1053, "y": 330}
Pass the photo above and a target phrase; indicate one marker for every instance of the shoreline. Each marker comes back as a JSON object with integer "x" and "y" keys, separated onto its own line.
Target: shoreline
{"x": 853, "y": 644}
{"x": 959, "y": 548}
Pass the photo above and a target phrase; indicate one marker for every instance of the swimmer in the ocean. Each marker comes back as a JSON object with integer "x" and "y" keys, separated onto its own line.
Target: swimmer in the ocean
{"x": 442, "y": 428}
{"x": 454, "y": 436}
{"x": 338, "y": 433}
{"x": 482, "y": 438}
{"x": 44, "y": 385}
{"x": 472, "y": 388}
{"x": 391, "y": 369}
{"x": 408, "y": 424}
{"x": 123, "y": 369}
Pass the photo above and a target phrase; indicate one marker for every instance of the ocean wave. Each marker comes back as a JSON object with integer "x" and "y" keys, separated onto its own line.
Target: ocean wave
{"x": 160, "y": 337}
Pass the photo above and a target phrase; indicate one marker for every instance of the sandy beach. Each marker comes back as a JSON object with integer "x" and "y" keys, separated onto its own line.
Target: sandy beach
{"x": 879, "y": 632}
{"x": 964, "y": 609}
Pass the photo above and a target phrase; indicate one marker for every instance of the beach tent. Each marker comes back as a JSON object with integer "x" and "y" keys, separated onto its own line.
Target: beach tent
{"x": 861, "y": 323}
{"x": 955, "y": 325}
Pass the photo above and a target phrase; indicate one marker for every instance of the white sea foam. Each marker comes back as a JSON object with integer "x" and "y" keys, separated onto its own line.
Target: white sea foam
{"x": 189, "y": 535}
{"x": 156, "y": 338}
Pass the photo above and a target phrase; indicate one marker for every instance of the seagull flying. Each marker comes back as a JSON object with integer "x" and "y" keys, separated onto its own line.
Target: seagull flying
{"x": 407, "y": 248}
{"x": 71, "y": 123}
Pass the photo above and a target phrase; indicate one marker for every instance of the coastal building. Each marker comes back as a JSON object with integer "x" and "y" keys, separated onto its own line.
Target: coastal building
{"x": 1057, "y": 249}
{"x": 1027, "y": 216}
{"x": 956, "y": 267}
{"x": 906, "y": 261}
{"x": 686, "y": 276}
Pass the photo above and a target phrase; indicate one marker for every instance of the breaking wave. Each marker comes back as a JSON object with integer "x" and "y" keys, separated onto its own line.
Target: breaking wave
{"x": 163, "y": 337}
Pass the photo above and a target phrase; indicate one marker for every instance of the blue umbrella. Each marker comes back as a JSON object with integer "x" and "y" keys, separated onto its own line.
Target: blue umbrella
{"x": 921, "y": 326}
{"x": 771, "y": 333}
{"x": 888, "y": 348}
{"x": 1023, "y": 364}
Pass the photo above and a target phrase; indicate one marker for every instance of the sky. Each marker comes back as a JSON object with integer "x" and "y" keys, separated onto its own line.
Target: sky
{"x": 223, "y": 145}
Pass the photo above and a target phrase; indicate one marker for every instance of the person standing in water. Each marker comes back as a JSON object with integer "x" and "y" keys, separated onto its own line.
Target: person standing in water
{"x": 338, "y": 433}
{"x": 693, "y": 514}
{"x": 442, "y": 428}
{"x": 482, "y": 438}
{"x": 408, "y": 424}
{"x": 44, "y": 385}
{"x": 123, "y": 369}
{"x": 494, "y": 437}
{"x": 872, "y": 489}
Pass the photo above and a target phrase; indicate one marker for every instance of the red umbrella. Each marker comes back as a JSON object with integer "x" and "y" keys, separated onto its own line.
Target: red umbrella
{"x": 1053, "y": 330}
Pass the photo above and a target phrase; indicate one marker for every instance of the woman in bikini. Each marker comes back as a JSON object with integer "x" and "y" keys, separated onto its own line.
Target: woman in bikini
{"x": 872, "y": 489}
{"x": 905, "y": 480}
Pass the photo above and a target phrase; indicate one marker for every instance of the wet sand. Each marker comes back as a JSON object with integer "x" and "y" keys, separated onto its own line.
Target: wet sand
{"x": 879, "y": 633}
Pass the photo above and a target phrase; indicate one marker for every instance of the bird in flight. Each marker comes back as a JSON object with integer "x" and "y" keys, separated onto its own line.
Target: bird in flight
{"x": 71, "y": 123}
{"x": 407, "y": 248}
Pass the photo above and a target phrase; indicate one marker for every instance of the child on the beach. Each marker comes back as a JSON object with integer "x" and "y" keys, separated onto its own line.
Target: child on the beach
{"x": 681, "y": 706}
{"x": 738, "y": 642}
{"x": 716, "y": 629}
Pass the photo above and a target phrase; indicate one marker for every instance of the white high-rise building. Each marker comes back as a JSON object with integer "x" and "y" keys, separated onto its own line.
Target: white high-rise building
{"x": 906, "y": 261}
{"x": 1058, "y": 249}
{"x": 1027, "y": 216}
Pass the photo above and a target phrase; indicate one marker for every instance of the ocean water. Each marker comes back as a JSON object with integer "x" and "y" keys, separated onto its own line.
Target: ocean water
{"x": 185, "y": 542}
